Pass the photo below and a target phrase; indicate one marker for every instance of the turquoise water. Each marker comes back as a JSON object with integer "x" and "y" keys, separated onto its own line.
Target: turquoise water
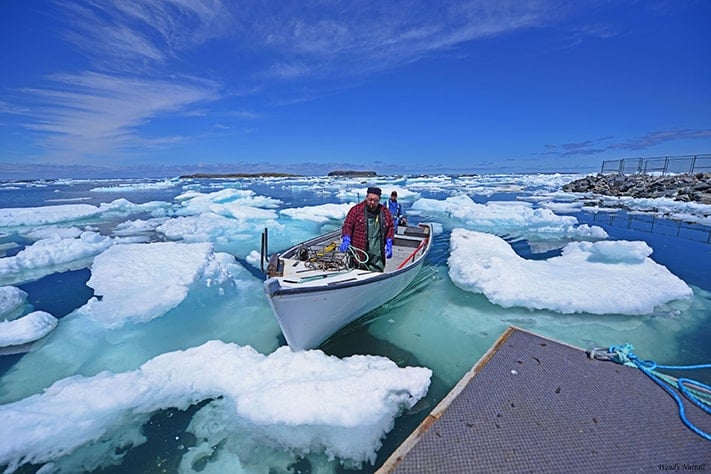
{"x": 433, "y": 323}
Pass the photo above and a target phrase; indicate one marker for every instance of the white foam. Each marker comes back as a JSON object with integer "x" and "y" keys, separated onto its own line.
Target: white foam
{"x": 599, "y": 278}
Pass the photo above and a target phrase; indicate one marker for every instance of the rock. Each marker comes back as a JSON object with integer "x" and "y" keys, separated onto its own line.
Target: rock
{"x": 684, "y": 187}
{"x": 353, "y": 173}
{"x": 237, "y": 175}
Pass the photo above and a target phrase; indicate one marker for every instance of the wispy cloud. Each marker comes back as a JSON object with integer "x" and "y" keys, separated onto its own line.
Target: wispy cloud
{"x": 659, "y": 137}
{"x": 119, "y": 34}
{"x": 129, "y": 46}
{"x": 644, "y": 142}
{"x": 355, "y": 38}
{"x": 137, "y": 52}
{"x": 304, "y": 38}
{"x": 92, "y": 113}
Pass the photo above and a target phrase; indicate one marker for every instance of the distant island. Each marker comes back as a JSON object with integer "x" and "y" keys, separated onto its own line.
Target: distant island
{"x": 237, "y": 175}
{"x": 360, "y": 174}
{"x": 348, "y": 173}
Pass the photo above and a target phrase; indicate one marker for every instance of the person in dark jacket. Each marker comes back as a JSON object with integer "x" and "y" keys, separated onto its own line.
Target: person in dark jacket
{"x": 368, "y": 228}
{"x": 396, "y": 211}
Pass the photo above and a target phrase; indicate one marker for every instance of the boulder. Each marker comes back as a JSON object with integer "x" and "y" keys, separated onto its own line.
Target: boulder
{"x": 683, "y": 187}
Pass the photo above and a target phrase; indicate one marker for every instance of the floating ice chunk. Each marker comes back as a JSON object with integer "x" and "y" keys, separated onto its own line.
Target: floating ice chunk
{"x": 403, "y": 194}
{"x": 598, "y": 278}
{"x": 137, "y": 227}
{"x": 122, "y": 206}
{"x": 136, "y": 186}
{"x": 607, "y": 251}
{"x": 253, "y": 258}
{"x": 321, "y": 213}
{"x": 200, "y": 228}
{"x": 303, "y": 401}
{"x": 209, "y": 227}
{"x": 51, "y": 231}
{"x": 11, "y": 299}
{"x": 240, "y": 211}
{"x": 223, "y": 202}
{"x": 563, "y": 207}
{"x": 358, "y": 193}
{"x": 28, "y": 328}
{"x": 138, "y": 282}
{"x": 511, "y": 218}
{"x": 666, "y": 207}
{"x": 50, "y": 255}
{"x": 8, "y": 246}
{"x": 35, "y": 216}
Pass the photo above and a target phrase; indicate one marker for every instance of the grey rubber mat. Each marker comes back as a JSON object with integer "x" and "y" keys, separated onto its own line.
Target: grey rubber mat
{"x": 535, "y": 405}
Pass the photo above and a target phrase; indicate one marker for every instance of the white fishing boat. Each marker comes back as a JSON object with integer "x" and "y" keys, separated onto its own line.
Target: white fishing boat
{"x": 314, "y": 292}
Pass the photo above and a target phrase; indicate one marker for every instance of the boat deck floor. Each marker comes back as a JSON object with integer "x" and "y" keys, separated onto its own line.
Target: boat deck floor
{"x": 535, "y": 405}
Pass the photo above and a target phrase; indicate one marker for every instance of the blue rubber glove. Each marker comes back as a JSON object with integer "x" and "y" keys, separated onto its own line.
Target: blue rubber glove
{"x": 389, "y": 248}
{"x": 346, "y": 243}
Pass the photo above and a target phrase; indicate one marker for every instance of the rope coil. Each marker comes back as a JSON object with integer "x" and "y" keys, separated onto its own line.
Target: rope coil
{"x": 696, "y": 392}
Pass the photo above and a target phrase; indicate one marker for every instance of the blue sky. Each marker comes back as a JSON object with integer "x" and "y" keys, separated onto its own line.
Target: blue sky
{"x": 164, "y": 87}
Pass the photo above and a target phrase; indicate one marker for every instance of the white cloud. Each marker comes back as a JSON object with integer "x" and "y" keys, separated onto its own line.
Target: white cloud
{"x": 93, "y": 113}
{"x": 134, "y": 49}
{"x": 382, "y": 35}
{"x": 143, "y": 32}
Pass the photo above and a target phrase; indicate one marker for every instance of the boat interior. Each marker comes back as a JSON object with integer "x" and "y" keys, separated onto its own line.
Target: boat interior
{"x": 320, "y": 258}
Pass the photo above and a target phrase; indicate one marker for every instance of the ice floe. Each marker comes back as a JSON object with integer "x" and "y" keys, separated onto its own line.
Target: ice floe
{"x": 604, "y": 277}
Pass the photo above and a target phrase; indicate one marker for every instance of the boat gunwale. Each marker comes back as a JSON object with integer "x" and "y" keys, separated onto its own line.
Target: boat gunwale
{"x": 339, "y": 285}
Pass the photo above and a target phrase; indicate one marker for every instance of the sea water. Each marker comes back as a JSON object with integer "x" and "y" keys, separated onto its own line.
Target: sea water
{"x": 433, "y": 323}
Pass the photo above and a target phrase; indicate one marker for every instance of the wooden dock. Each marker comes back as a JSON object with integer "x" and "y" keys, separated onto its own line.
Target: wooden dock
{"x": 531, "y": 404}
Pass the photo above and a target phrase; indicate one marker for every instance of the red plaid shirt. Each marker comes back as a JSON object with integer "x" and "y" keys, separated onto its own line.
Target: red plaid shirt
{"x": 356, "y": 226}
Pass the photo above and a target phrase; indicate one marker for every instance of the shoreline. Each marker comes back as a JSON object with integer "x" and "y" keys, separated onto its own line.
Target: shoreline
{"x": 683, "y": 187}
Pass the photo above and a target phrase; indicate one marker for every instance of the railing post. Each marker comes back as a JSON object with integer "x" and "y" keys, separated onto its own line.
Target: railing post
{"x": 671, "y": 163}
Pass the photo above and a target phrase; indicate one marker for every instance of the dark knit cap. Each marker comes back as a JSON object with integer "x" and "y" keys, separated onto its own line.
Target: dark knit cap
{"x": 374, "y": 190}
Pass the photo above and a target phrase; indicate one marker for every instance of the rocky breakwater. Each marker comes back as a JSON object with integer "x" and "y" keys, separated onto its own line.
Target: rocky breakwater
{"x": 683, "y": 187}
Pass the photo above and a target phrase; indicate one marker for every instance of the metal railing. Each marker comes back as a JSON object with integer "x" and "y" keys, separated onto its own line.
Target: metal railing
{"x": 659, "y": 165}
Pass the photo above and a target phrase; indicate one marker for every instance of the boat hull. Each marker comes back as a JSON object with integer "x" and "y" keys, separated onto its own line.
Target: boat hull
{"x": 308, "y": 315}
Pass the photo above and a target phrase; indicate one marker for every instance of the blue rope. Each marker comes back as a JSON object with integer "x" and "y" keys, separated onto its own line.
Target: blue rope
{"x": 625, "y": 355}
